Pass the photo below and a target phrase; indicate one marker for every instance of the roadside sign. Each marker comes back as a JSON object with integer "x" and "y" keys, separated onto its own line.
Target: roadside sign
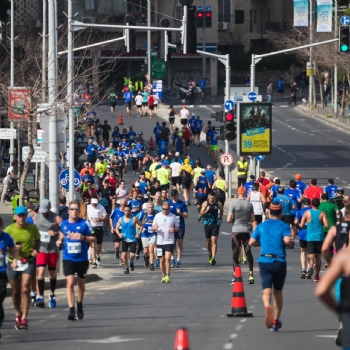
{"x": 226, "y": 159}
{"x": 229, "y": 105}
{"x": 260, "y": 158}
{"x": 254, "y": 125}
{"x": 7, "y": 134}
{"x": 345, "y": 20}
{"x": 252, "y": 96}
{"x": 38, "y": 156}
{"x": 64, "y": 179}
{"x": 39, "y": 138}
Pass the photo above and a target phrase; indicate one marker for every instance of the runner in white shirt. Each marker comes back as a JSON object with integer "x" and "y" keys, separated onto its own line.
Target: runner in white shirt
{"x": 7, "y": 181}
{"x": 184, "y": 114}
{"x": 96, "y": 214}
{"x": 258, "y": 200}
{"x": 175, "y": 174}
{"x": 165, "y": 224}
{"x": 122, "y": 191}
{"x": 138, "y": 102}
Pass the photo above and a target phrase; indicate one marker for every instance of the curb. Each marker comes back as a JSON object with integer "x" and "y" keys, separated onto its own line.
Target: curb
{"x": 61, "y": 283}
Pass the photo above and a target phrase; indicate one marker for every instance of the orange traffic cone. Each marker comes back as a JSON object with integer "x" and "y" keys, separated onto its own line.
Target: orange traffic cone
{"x": 239, "y": 306}
{"x": 120, "y": 119}
{"x": 181, "y": 340}
{"x": 151, "y": 146}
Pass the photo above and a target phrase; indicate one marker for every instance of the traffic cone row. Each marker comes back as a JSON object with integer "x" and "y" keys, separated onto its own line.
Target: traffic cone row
{"x": 181, "y": 340}
{"x": 238, "y": 305}
{"x": 151, "y": 146}
{"x": 120, "y": 122}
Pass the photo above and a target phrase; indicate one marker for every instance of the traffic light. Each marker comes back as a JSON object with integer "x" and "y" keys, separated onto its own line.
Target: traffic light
{"x": 191, "y": 30}
{"x": 230, "y": 129}
{"x": 161, "y": 50}
{"x": 200, "y": 16}
{"x": 208, "y": 19}
{"x": 344, "y": 39}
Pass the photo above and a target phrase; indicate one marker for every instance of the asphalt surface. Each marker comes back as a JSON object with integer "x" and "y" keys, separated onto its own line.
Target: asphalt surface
{"x": 137, "y": 311}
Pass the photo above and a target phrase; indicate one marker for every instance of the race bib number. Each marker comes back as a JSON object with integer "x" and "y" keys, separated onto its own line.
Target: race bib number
{"x": 44, "y": 237}
{"x": 21, "y": 266}
{"x": 134, "y": 155}
{"x": 74, "y": 247}
{"x": 159, "y": 252}
{"x": 150, "y": 230}
{"x": 178, "y": 218}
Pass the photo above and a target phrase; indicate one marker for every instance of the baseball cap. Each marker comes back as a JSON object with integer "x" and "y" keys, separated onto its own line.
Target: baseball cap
{"x": 275, "y": 178}
{"x": 162, "y": 156}
{"x": 241, "y": 190}
{"x": 193, "y": 114}
{"x": 132, "y": 144}
{"x": 86, "y": 163}
{"x": 45, "y": 206}
{"x": 137, "y": 184}
{"x": 252, "y": 177}
{"x": 174, "y": 193}
{"x": 306, "y": 201}
{"x": 177, "y": 154}
{"x": 340, "y": 190}
{"x": 144, "y": 206}
{"x": 21, "y": 210}
{"x": 94, "y": 201}
{"x": 180, "y": 134}
{"x": 188, "y": 155}
{"x": 298, "y": 177}
{"x": 202, "y": 171}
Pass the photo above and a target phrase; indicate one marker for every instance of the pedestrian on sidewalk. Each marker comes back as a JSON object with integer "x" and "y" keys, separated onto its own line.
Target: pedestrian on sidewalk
{"x": 242, "y": 171}
{"x": 325, "y": 92}
{"x": 293, "y": 93}
{"x": 280, "y": 87}
{"x": 269, "y": 93}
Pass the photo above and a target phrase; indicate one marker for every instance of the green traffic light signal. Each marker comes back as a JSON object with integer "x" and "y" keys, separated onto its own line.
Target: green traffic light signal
{"x": 344, "y": 39}
{"x": 344, "y": 48}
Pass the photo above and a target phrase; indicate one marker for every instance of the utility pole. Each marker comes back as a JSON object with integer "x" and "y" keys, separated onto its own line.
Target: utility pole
{"x": 52, "y": 89}
{"x": 42, "y": 189}
{"x": 335, "y": 92}
{"x": 70, "y": 90}
{"x": 311, "y": 67}
{"x": 149, "y": 44}
{"x": 204, "y": 40}
{"x": 12, "y": 79}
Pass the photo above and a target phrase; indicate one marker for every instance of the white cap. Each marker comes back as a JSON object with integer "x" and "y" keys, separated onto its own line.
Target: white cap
{"x": 193, "y": 114}
{"x": 177, "y": 154}
{"x": 144, "y": 206}
{"x": 94, "y": 201}
{"x": 276, "y": 178}
{"x": 162, "y": 156}
{"x": 137, "y": 184}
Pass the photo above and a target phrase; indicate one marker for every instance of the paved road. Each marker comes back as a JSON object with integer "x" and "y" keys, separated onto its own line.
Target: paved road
{"x": 138, "y": 312}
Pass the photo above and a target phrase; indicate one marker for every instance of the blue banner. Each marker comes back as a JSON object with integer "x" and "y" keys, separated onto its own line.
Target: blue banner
{"x": 301, "y": 13}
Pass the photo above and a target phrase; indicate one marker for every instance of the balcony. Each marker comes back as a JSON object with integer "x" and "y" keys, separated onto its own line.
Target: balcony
{"x": 264, "y": 30}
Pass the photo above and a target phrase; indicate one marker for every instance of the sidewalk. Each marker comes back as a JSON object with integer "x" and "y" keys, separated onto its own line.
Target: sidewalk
{"x": 333, "y": 121}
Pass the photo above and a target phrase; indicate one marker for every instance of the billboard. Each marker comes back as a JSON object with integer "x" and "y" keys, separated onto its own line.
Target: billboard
{"x": 254, "y": 128}
{"x": 19, "y": 103}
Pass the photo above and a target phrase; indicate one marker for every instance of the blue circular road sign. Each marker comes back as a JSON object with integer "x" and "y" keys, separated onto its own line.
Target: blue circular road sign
{"x": 64, "y": 179}
{"x": 229, "y": 105}
{"x": 345, "y": 20}
{"x": 252, "y": 96}
{"x": 259, "y": 158}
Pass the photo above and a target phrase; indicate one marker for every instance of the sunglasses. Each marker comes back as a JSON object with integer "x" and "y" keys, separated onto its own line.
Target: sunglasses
{"x": 165, "y": 208}
{"x": 75, "y": 209}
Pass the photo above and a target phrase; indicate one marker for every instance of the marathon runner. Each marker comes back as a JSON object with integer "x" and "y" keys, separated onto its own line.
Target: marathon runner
{"x": 258, "y": 200}
{"x": 116, "y": 215}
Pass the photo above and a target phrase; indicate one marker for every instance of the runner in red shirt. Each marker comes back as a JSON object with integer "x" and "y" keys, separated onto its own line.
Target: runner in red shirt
{"x": 313, "y": 191}
{"x": 151, "y": 106}
{"x": 262, "y": 179}
{"x": 186, "y": 134}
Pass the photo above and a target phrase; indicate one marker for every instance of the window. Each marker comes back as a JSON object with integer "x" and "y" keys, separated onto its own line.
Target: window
{"x": 224, "y": 10}
{"x": 239, "y": 16}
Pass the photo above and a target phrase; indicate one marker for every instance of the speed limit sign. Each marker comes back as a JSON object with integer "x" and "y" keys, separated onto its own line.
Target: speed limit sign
{"x": 226, "y": 159}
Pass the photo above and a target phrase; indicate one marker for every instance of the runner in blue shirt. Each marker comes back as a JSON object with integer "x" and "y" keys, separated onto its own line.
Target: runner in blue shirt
{"x": 198, "y": 129}
{"x": 211, "y": 175}
{"x": 179, "y": 209}
{"x": 272, "y": 262}
{"x": 300, "y": 186}
{"x": 249, "y": 186}
{"x": 134, "y": 155}
{"x": 144, "y": 186}
{"x": 113, "y": 220}
{"x": 91, "y": 151}
{"x": 202, "y": 85}
{"x": 157, "y": 132}
{"x": 132, "y": 134}
{"x": 274, "y": 188}
{"x": 331, "y": 189}
{"x": 192, "y": 124}
{"x": 134, "y": 203}
{"x": 213, "y": 143}
{"x": 128, "y": 96}
{"x": 75, "y": 234}
{"x": 302, "y": 233}
{"x": 162, "y": 147}
{"x": 116, "y": 136}
{"x": 141, "y": 148}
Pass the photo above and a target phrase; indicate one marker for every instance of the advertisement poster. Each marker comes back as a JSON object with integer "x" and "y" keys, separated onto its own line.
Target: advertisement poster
{"x": 255, "y": 128}
{"x": 19, "y": 103}
{"x": 301, "y": 13}
{"x": 324, "y": 16}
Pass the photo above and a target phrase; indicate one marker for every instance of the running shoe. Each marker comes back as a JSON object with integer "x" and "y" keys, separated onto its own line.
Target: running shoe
{"x": 303, "y": 274}
{"x": 32, "y": 300}
{"x": 338, "y": 338}
{"x": 147, "y": 262}
{"x": 186, "y": 203}
{"x": 167, "y": 279}
{"x": 24, "y": 324}
{"x": 309, "y": 273}
{"x": 317, "y": 278}
{"x": 132, "y": 268}
{"x": 277, "y": 324}
{"x": 268, "y": 320}
{"x": 71, "y": 315}
{"x": 126, "y": 271}
{"x": 213, "y": 261}
{"x": 151, "y": 267}
{"x": 233, "y": 280}
{"x": 18, "y": 322}
{"x": 116, "y": 256}
{"x": 178, "y": 263}
{"x": 121, "y": 262}
{"x": 80, "y": 312}
{"x": 98, "y": 260}
{"x": 134, "y": 173}
{"x": 292, "y": 245}
{"x": 157, "y": 263}
{"x": 244, "y": 261}
{"x": 40, "y": 302}
{"x": 209, "y": 259}
{"x": 172, "y": 262}
{"x": 251, "y": 279}
{"x": 137, "y": 256}
{"x": 94, "y": 265}
{"x": 52, "y": 302}
{"x": 90, "y": 261}
{"x": 163, "y": 279}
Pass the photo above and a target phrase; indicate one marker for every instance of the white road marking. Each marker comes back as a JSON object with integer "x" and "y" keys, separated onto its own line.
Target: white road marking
{"x": 251, "y": 306}
{"x": 233, "y": 336}
{"x": 238, "y": 328}
{"x": 226, "y": 233}
{"x": 326, "y": 336}
{"x": 243, "y": 320}
{"x": 54, "y": 315}
{"x": 109, "y": 340}
{"x": 228, "y": 346}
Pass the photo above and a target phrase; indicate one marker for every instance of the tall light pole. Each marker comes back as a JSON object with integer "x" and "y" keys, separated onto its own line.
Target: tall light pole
{"x": 12, "y": 77}
{"x": 335, "y": 93}
{"x": 149, "y": 44}
{"x": 52, "y": 89}
{"x": 311, "y": 67}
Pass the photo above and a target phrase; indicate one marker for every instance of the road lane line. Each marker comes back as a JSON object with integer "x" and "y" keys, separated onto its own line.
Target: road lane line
{"x": 243, "y": 320}
{"x": 238, "y": 327}
{"x": 233, "y": 336}
{"x": 228, "y": 346}
{"x": 54, "y": 315}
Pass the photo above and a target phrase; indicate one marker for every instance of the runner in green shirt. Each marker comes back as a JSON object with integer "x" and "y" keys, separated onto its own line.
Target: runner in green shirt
{"x": 163, "y": 176}
{"x": 331, "y": 211}
{"x": 113, "y": 101}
